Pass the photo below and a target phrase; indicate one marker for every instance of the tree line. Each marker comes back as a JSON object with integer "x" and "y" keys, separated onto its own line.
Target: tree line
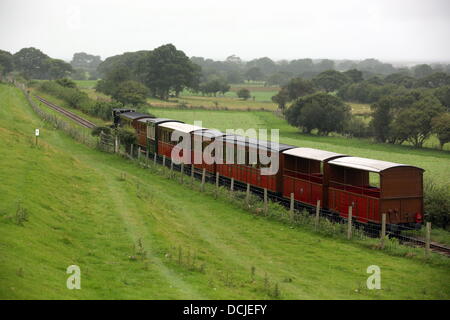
{"x": 403, "y": 108}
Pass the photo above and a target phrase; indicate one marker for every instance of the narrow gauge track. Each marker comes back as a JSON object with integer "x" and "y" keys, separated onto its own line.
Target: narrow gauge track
{"x": 371, "y": 231}
{"x": 83, "y": 122}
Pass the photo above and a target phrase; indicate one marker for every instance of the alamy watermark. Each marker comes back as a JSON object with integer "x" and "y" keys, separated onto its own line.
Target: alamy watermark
{"x": 74, "y": 280}
{"x": 247, "y": 147}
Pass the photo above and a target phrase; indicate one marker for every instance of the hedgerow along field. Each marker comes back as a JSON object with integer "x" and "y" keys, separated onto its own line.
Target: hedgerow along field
{"x": 135, "y": 234}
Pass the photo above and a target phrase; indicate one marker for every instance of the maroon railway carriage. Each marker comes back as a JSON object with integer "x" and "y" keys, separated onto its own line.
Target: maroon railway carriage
{"x": 399, "y": 194}
{"x": 305, "y": 174}
{"x": 244, "y": 169}
{"x": 153, "y": 131}
{"x": 165, "y": 131}
{"x": 137, "y": 121}
{"x": 204, "y": 138}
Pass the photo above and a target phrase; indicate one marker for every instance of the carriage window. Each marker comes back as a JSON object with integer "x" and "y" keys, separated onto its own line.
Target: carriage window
{"x": 374, "y": 179}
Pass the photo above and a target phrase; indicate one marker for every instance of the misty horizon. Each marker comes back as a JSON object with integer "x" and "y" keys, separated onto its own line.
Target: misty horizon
{"x": 402, "y": 32}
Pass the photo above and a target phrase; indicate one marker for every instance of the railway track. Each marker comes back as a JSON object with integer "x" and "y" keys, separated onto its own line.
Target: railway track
{"x": 83, "y": 122}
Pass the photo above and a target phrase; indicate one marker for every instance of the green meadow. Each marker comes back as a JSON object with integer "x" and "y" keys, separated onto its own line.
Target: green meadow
{"x": 136, "y": 234}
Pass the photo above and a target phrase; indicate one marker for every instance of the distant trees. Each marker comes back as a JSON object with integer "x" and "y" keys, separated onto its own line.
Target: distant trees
{"x": 83, "y": 63}
{"x": 213, "y": 86}
{"x": 167, "y": 69}
{"x": 130, "y": 92}
{"x": 254, "y": 73}
{"x": 405, "y": 117}
{"x": 331, "y": 80}
{"x": 294, "y": 89}
{"x": 6, "y": 62}
{"x": 422, "y": 70}
{"x": 243, "y": 94}
{"x": 441, "y": 127}
{"x": 34, "y": 64}
{"x": 320, "y": 111}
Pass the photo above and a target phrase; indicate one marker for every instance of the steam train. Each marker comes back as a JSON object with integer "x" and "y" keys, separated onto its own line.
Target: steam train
{"x": 337, "y": 180}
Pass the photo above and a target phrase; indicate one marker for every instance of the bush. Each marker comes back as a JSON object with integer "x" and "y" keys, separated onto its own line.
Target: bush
{"x": 437, "y": 204}
{"x": 356, "y": 127}
{"x": 243, "y": 93}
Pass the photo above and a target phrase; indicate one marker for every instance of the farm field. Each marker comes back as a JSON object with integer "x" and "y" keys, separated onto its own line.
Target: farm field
{"x": 435, "y": 162}
{"x": 125, "y": 233}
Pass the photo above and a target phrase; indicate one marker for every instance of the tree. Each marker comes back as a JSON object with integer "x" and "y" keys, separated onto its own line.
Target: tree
{"x": 441, "y": 126}
{"x": 254, "y": 74}
{"x": 167, "y": 69}
{"x": 443, "y": 94}
{"x": 434, "y": 80}
{"x": 281, "y": 98}
{"x": 320, "y": 111}
{"x": 6, "y": 62}
{"x": 113, "y": 78}
{"x": 34, "y": 64}
{"x": 64, "y": 82}
{"x": 422, "y": 70}
{"x": 243, "y": 93}
{"x": 354, "y": 75}
{"x": 414, "y": 123}
{"x": 330, "y": 80}
{"x": 130, "y": 92}
{"x": 298, "y": 87}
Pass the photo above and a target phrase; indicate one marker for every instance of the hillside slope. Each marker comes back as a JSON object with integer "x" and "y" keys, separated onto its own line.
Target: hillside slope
{"x": 143, "y": 236}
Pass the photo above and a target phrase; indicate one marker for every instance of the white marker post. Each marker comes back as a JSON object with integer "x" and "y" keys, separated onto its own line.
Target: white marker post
{"x": 36, "y": 133}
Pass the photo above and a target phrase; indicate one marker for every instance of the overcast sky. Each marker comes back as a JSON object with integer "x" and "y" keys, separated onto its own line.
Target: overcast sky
{"x": 389, "y": 30}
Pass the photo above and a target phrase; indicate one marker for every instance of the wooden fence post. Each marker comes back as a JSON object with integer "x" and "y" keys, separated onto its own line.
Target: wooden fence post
{"x": 247, "y": 195}
{"x": 154, "y": 159}
{"x": 349, "y": 222}
{"x": 139, "y": 154}
{"x": 232, "y": 184}
{"x": 317, "y": 213}
{"x": 266, "y": 207}
{"x": 146, "y": 157}
{"x": 291, "y": 207}
{"x": 131, "y": 151}
{"x": 182, "y": 171}
{"x": 171, "y": 169}
{"x": 116, "y": 144}
{"x": 428, "y": 239}
{"x": 203, "y": 179}
{"x": 164, "y": 160}
{"x": 383, "y": 229}
{"x": 192, "y": 173}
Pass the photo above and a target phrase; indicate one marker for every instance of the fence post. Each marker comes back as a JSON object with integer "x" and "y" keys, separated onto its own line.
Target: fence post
{"x": 131, "y": 151}
{"x": 203, "y": 179}
{"x": 317, "y": 213}
{"x": 192, "y": 173}
{"x": 232, "y": 184}
{"x": 383, "y": 229}
{"x": 154, "y": 159}
{"x": 182, "y": 171}
{"x": 291, "y": 207}
{"x": 139, "y": 154}
{"x": 164, "y": 161}
{"x": 428, "y": 239}
{"x": 146, "y": 157}
{"x": 116, "y": 144}
{"x": 171, "y": 169}
{"x": 266, "y": 208}
{"x": 349, "y": 230}
{"x": 247, "y": 196}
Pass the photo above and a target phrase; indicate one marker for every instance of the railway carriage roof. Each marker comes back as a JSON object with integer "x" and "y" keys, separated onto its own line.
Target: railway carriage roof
{"x": 157, "y": 120}
{"x": 181, "y": 127}
{"x": 134, "y": 115}
{"x": 209, "y": 133}
{"x": 259, "y": 144}
{"x": 367, "y": 164}
{"x": 313, "y": 154}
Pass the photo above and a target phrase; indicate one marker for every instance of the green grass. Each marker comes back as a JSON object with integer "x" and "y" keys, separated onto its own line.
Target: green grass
{"x": 435, "y": 162}
{"x": 85, "y": 84}
{"x": 82, "y": 210}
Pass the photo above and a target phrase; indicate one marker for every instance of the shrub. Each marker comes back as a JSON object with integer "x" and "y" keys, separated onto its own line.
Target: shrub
{"x": 437, "y": 204}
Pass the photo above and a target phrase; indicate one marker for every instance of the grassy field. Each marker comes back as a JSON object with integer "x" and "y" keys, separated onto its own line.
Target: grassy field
{"x": 125, "y": 232}
{"x": 435, "y": 162}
